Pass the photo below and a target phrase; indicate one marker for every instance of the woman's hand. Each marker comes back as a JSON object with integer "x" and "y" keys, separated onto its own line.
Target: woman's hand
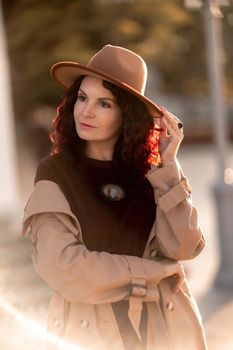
{"x": 170, "y": 137}
{"x": 176, "y": 270}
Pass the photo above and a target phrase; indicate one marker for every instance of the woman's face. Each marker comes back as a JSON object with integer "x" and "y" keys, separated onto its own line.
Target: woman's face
{"x": 96, "y": 113}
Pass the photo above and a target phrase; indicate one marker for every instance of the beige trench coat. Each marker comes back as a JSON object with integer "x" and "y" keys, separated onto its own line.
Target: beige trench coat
{"x": 85, "y": 283}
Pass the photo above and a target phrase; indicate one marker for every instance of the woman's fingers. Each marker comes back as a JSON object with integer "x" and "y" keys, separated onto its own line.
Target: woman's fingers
{"x": 176, "y": 270}
{"x": 171, "y": 123}
{"x": 180, "y": 278}
{"x": 171, "y": 137}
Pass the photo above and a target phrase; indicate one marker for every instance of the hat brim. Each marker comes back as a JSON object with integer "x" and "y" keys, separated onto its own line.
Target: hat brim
{"x": 65, "y": 73}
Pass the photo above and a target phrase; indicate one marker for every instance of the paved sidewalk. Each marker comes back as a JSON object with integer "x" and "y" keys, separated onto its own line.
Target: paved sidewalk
{"x": 219, "y": 328}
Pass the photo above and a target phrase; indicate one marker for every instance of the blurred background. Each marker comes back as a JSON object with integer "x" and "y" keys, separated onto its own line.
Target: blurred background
{"x": 188, "y": 48}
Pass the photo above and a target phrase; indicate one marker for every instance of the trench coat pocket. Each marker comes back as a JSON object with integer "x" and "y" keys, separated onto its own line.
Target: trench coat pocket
{"x": 108, "y": 327}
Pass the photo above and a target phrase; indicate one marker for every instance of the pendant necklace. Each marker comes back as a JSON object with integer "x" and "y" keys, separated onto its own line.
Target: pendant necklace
{"x": 113, "y": 192}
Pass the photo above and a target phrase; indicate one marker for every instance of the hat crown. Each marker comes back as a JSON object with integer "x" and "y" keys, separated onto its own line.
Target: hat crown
{"x": 121, "y": 64}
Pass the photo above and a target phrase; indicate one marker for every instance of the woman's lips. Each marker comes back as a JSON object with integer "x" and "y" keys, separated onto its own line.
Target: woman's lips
{"x": 86, "y": 126}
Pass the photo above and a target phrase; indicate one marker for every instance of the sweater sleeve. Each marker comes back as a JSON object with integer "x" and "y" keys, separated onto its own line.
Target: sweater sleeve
{"x": 178, "y": 234}
{"x": 80, "y": 275}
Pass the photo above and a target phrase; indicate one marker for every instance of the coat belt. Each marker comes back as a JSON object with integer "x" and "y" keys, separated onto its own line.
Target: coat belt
{"x": 140, "y": 293}
{"x": 157, "y": 330}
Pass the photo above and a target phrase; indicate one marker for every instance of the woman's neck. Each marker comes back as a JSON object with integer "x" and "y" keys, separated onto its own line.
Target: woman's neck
{"x": 99, "y": 152}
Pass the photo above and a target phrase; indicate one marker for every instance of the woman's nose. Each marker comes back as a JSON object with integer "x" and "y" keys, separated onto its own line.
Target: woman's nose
{"x": 89, "y": 110}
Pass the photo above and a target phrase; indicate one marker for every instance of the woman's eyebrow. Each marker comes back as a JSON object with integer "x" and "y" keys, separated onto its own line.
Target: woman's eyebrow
{"x": 107, "y": 98}
{"x": 83, "y": 92}
{"x": 99, "y": 98}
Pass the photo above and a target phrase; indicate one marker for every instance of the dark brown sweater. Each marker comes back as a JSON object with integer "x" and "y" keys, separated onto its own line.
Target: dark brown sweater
{"x": 114, "y": 226}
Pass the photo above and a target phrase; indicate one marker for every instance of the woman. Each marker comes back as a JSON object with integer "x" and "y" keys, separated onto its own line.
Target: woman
{"x": 107, "y": 249}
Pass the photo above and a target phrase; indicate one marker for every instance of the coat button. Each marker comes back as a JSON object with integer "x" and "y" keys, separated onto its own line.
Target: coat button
{"x": 153, "y": 253}
{"x": 170, "y": 306}
{"x": 57, "y": 323}
{"x": 84, "y": 323}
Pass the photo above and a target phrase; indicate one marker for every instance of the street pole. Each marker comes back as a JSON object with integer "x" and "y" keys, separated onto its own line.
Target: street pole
{"x": 223, "y": 193}
{"x": 9, "y": 197}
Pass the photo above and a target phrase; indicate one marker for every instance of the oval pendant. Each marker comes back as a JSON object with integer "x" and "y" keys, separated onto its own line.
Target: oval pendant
{"x": 113, "y": 192}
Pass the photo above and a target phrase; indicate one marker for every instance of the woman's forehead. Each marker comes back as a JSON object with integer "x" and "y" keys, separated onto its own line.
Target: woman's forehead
{"x": 90, "y": 83}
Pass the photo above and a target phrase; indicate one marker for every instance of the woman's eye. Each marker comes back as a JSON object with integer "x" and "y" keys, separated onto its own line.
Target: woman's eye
{"x": 81, "y": 98}
{"x": 105, "y": 104}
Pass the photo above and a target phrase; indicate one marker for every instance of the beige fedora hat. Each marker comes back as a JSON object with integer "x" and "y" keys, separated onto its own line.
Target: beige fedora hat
{"x": 112, "y": 63}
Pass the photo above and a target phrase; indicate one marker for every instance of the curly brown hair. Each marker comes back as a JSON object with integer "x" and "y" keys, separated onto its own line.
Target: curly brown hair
{"x": 137, "y": 144}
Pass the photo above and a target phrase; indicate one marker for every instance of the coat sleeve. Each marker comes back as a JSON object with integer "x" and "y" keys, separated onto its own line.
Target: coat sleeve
{"x": 80, "y": 275}
{"x": 178, "y": 235}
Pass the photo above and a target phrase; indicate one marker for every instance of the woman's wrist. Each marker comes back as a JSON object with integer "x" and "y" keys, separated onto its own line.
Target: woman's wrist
{"x": 167, "y": 162}
{"x": 170, "y": 267}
